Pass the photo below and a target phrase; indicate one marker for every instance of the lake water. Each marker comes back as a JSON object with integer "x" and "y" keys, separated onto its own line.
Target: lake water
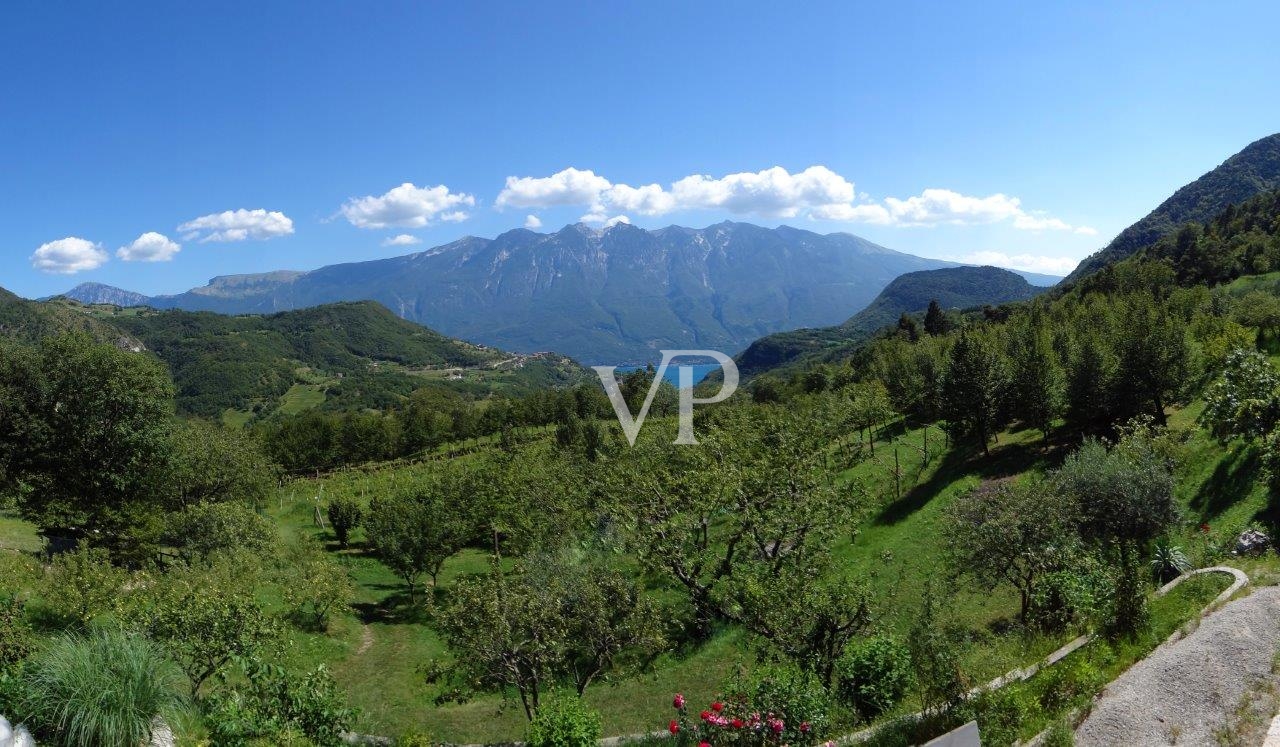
{"x": 700, "y": 371}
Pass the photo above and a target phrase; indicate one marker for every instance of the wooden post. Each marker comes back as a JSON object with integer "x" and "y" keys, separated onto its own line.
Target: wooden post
{"x": 897, "y": 476}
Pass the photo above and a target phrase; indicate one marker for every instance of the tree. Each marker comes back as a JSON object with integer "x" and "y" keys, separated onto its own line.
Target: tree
{"x": 315, "y": 585}
{"x": 908, "y": 328}
{"x": 1089, "y": 385}
{"x": 345, "y": 514}
{"x": 83, "y": 584}
{"x": 210, "y": 463}
{"x": 753, "y": 497}
{"x": 941, "y": 683}
{"x": 1154, "y": 358}
{"x": 935, "y": 320}
{"x": 204, "y": 617}
{"x": 1011, "y": 534}
{"x": 415, "y": 533}
{"x": 92, "y": 440}
{"x": 974, "y": 386}
{"x": 1243, "y": 402}
{"x": 1037, "y": 380}
{"x": 1125, "y": 493}
{"x": 550, "y": 622}
{"x": 204, "y": 530}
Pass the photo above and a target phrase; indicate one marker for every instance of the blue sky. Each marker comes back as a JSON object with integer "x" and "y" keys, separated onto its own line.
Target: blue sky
{"x": 178, "y": 141}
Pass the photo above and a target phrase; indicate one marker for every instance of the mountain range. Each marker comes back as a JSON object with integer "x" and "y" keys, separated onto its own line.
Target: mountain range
{"x": 616, "y": 295}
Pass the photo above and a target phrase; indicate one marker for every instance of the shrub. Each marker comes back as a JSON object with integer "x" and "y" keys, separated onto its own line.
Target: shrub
{"x": 1001, "y": 713}
{"x": 1068, "y": 597}
{"x": 344, "y": 515}
{"x": 15, "y": 634}
{"x": 1064, "y": 683}
{"x": 315, "y": 585}
{"x": 83, "y": 584}
{"x": 274, "y": 707}
{"x": 201, "y": 531}
{"x": 1126, "y": 614}
{"x": 105, "y": 689}
{"x": 798, "y": 699}
{"x": 873, "y": 675}
{"x": 1058, "y": 735}
{"x": 564, "y": 721}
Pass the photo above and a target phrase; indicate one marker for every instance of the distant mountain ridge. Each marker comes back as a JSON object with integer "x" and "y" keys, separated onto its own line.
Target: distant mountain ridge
{"x": 952, "y": 288}
{"x": 1252, "y": 171}
{"x": 616, "y": 295}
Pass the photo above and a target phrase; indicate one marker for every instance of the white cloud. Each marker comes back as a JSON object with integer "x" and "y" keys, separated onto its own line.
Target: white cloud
{"x": 237, "y": 225}
{"x": 1029, "y": 262}
{"x": 817, "y": 192}
{"x": 68, "y": 256}
{"x": 407, "y": 206}
{"x": 772, "y": 193}
{"x": 934, "y": 206}
{"x": 149, "y": 247}
{"x": 403, "y": 239}
{"x": 615, "y": 220}
{"x": 532, "y": 222}
{"x": 568, "y": 187}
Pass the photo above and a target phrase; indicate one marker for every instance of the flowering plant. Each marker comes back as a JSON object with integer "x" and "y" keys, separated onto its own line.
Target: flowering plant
{"x": 731, "y": 720}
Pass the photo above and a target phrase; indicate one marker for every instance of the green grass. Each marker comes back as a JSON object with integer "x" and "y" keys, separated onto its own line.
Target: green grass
{"x": 17, "y": 534}
{"x": 300, "y": 398}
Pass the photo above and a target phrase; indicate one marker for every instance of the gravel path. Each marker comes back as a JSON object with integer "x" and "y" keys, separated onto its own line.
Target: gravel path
{"x": 1188, "y": 688}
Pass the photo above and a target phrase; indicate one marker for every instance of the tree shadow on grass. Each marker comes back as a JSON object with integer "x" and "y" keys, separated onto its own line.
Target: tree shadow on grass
{"x": 1232, "y": 480}
{"x": 959, "y": 462}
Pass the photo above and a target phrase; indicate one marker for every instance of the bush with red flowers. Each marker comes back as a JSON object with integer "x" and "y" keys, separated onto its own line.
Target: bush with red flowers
{"x": 780, "y": 708}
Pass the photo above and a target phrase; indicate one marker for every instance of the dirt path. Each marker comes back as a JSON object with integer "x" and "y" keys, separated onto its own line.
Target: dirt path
{"x": 366, "y": 640}
{"x": 1186, "y": 691}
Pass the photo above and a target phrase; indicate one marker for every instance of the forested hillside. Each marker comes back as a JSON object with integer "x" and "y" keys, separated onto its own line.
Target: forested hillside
{"x": 34, "y": 320}
{"x": 1252, "y": 171}
{"x": 950, "y": 288}
{"x": 349, "y": 355}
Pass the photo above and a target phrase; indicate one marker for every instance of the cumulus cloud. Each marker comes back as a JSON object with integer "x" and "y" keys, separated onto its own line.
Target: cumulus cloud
{"x": 68, "y": 256}
{"x": 1029, "y": 262}
{"x": 403, "y": 239}
{"x": 817, "y": 192}
{"x": 149, "y": 247}
{"x": 568, "y": 187}
{"x": 237, "y": 225}
{"x": 532, "y": 222}
{"x": 407, "y": 206}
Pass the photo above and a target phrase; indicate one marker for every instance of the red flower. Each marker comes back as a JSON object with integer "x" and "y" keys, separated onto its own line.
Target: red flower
{"x": 804, "y": 727}
{"x": 737, "y": 723}
{"x": 705, "y": 715}
{"x": 673, "y": 727}
{"x": 678, "y": 702}
{"x": 717, "y": 706}
{"x": 704, "y": 744}
{"x": 1204, "y": 527}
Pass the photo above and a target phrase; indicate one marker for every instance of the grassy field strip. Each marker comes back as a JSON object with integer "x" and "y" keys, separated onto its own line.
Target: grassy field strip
{"x": 1239, "y": 580}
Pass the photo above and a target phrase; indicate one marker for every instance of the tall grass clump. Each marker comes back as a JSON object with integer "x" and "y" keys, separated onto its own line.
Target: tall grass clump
{"x": 105, "y": 689}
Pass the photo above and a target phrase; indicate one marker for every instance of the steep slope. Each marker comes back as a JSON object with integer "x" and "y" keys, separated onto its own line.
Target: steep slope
{"x": 612, "y": 296}
{"x": 953, "y": 288}
{"x": 1252, "y": 171}
{"x": 360, "y": 353}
